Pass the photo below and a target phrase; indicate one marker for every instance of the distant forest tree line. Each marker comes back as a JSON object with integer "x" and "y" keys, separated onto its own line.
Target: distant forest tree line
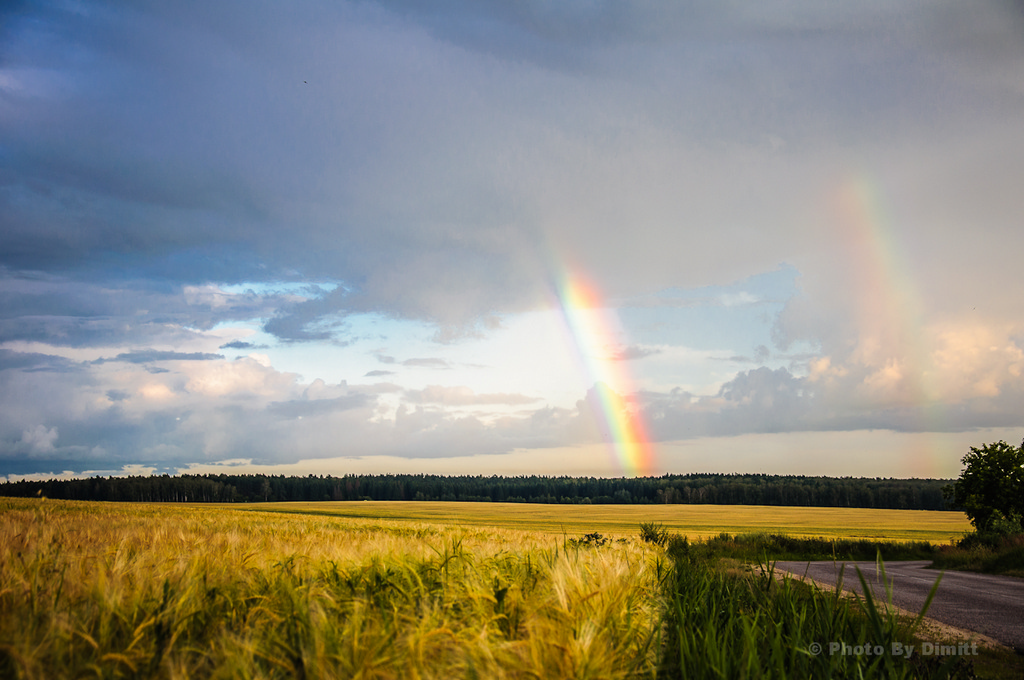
{"x": 715, "y": 489}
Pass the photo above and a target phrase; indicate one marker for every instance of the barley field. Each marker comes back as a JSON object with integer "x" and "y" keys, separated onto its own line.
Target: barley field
{"x": 695, "y": 521}
{"x": 414, "y": 590}
{"x": 105, "y": 590}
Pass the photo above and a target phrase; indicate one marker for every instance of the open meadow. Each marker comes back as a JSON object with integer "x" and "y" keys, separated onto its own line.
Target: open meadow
{"x": 407, "y": 590}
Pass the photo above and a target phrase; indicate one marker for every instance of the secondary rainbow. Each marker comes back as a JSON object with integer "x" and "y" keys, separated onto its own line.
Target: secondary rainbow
{"x": 890, "y": 306}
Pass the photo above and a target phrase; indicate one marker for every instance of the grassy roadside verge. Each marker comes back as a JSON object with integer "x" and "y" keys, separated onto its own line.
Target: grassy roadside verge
{"x": 768, "y": 627}
{"x": 722, "y": 625}
{"x": 984, "y": 554}
{"x": 755, "y": 547}
{"x": 1002, "y": 555}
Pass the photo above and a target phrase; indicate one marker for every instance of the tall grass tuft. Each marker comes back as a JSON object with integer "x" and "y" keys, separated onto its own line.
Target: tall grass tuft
{"x": 986, "y": 553}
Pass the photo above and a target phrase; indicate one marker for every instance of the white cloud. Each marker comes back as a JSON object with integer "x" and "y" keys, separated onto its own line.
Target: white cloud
{"x": 39, "y": 439}
{"x": 252, "y": 375}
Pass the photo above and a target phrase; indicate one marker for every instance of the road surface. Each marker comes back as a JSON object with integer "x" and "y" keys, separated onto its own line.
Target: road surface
{"x": 990, "y": 605}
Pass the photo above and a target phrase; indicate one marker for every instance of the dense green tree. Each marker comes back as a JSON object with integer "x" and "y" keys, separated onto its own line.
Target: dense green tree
{"x": 991, "y": 487}
{"x": 701, "y": 488}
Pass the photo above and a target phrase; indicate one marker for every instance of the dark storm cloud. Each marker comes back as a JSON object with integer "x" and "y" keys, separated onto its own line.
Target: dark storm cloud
{"x": 57, "y": 310}
{"x": 240, "y": 344}
{"x": 34, "y": 361}
{"x": 443, "y": 162}
{"x": 763, "y": 400}
{"x": 303, "y": 321}
{"x": 190, "y": 154}
{"x": 573, "y": 35}
{"x": 146, "y": 356}
{"x": 243, "y": 142}
{"x": 758, "y": 401}
{"x": 318, "y": 407}
{"x": 86, "y": 332}
{"x": 750, "y": 67}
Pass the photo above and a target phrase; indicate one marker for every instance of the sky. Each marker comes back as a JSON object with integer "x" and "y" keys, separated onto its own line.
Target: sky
{"x": 496, "y": 237}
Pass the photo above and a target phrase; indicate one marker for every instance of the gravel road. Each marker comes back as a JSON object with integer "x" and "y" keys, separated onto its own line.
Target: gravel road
{"x": 991, "y": 605}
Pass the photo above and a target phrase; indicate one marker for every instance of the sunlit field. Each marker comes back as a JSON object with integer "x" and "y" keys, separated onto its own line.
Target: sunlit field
{"x": 695, "y": 521}
{"x": 391, "y": 590}
{"x": 91, "y": 589}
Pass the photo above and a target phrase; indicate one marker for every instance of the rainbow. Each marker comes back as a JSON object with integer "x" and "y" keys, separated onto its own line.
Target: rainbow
{"x": 890, "y": 309}
{"x": 889, "y": 305}
{"x": 591, "y": 327}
